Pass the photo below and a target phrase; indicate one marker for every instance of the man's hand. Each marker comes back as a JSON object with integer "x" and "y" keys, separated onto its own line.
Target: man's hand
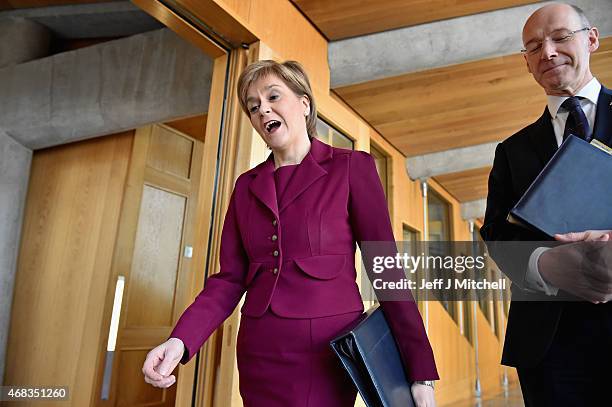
{"x": 586, "y": 236}
{"x": 583, "y": 267}
{"x": 423, "y": 395}
{"x": 161, "y": 361}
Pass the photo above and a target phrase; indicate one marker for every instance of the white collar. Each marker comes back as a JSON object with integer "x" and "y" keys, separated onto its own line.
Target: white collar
{"x": 590, "y": 91}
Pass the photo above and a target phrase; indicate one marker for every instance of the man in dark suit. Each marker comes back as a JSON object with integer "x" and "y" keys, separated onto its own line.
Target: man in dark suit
{"x": 561, "y": 349}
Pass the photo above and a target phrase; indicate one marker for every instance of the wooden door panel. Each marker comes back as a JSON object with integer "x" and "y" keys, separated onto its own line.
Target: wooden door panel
{"x": 155, "y": 227}
{"x": 170, "y": 152}
{"x": 133, "y": 391}
{"x": 156, "y": 259}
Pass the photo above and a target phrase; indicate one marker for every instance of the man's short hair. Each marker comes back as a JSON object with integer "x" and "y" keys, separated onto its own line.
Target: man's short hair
{"x": 583, "y": 18}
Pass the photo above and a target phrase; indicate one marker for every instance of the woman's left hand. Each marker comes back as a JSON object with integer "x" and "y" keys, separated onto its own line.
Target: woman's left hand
{"x": 423, "y": 395}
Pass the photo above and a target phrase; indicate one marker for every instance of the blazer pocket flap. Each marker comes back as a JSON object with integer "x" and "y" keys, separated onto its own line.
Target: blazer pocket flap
{"x": 322, "y": 267}
{"x": 253, "y": 267}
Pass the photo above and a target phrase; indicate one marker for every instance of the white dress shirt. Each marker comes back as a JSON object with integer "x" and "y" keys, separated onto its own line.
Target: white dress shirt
{"x": 590, "y": 94}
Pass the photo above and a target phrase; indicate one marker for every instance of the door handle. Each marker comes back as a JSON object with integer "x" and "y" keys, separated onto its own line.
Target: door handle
{"x": 112, "y": 337}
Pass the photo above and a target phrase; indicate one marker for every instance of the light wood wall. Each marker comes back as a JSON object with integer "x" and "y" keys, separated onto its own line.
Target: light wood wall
{"x": 291, "y": 36}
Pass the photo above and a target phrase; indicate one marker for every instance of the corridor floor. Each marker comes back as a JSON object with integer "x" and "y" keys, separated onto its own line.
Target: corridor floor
{"x": 512, "y": 399}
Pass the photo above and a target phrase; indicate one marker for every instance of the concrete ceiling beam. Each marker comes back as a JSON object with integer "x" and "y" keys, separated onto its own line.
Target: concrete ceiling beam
{"x": 473, "y": 209}
{"x": 103, "y": 89}
{"x": 450, "y": 161}
{"x": 95, "y": 20}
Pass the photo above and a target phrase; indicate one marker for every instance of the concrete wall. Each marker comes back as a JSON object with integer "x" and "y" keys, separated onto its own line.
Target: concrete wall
{"x": 104, "y": 89}
{"x": 15, "y": 162}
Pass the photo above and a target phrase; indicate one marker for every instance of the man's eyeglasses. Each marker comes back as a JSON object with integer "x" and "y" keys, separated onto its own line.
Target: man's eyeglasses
{"x": 558, "y": 37}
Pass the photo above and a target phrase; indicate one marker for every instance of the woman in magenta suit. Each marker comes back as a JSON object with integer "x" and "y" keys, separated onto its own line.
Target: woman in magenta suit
{"x": 288, "y": 241}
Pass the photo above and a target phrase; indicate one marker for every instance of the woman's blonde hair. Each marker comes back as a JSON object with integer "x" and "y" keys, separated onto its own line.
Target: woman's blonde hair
{"x": 294, "y": 76}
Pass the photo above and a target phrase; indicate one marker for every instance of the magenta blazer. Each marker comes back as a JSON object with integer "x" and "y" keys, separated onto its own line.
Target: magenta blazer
{"x": 334, "y": 200}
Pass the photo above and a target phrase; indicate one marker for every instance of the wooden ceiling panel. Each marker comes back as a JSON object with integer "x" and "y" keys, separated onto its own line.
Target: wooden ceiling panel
{"x": 457, "y": 106}
{"x": 349, "y": 18}
{"x": 466, "y": 185}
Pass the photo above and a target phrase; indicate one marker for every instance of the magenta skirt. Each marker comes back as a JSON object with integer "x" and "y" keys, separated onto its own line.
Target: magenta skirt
{"x": 286, "y": 362}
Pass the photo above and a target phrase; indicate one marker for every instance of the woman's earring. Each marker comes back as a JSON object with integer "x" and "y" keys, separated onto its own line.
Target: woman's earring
{"x": 306, "y": 113}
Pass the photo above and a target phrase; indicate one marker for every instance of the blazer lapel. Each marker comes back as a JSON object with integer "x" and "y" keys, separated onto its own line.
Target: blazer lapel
{"x": 263, "y": 185}
{"x": 543, "y": 138}
{"x": 602, "y": 130}
{"x": 307, "y": 172}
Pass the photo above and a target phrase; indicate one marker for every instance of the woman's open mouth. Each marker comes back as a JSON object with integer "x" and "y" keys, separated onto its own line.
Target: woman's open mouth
{"x": 272, "y": 126}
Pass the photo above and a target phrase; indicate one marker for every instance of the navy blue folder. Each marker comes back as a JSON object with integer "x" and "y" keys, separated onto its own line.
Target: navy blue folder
{"x": 370, "y": 355}
{"x": 573, "y": 192}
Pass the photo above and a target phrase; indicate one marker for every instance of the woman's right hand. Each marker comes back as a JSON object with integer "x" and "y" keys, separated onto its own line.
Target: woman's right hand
{"x": 161, "y": 361}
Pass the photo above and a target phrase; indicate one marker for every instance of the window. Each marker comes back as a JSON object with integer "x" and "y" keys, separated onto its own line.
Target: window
{"x": 333, "y": 137}
{"x": 468, "y": 314}
{"x": 381, "y": 161}
{"x": 438, "y": 212}
{"x": 411, "y": 247}
{"x": 485, "y": 302}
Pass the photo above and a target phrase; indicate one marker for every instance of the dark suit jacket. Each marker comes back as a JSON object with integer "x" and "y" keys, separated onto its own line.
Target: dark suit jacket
{"x": 518, "y": 160}
{"x": 333, "y": 200}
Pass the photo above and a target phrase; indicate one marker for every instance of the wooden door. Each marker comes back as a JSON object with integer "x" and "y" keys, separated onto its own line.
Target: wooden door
{"x": 70, "y": 223}
{"x": 152, "y": 271}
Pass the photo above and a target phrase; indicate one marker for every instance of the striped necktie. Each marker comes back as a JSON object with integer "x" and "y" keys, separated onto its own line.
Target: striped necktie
{"x": 577, "y": 123}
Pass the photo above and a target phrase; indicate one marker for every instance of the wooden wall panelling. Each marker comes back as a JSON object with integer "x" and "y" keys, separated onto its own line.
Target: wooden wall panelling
{"x": 454, "y": 356}
{"x": 236, "y": 152}
{"x": 304, "y": 43}
{"x": 601, "y": 62}
{"x": 201, "y": 261}
{"x": 348, "y": 18}
{"x": 489, "y": 351}
{"x": 70, "y": 222}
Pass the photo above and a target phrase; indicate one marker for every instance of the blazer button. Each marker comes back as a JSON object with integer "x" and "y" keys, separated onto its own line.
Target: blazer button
{"x": 274, "y": 237}
{"x": 275, "y": 253}
{"x": 275, "y": 271}
{"x": 274, "y": 222}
